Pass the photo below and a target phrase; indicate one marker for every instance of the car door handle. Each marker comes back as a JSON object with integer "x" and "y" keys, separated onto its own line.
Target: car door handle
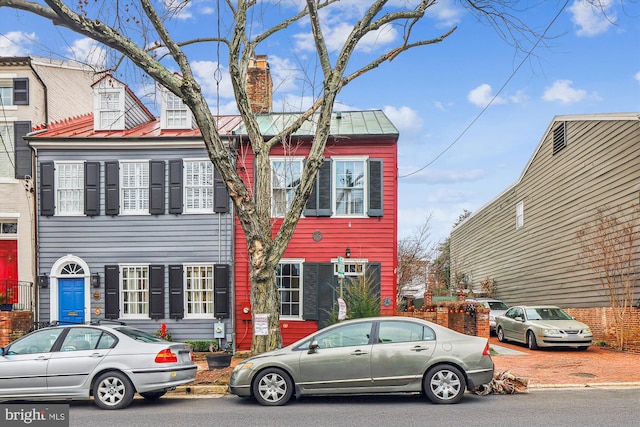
{"x": 42, "y": 358}
{"x": 419, "y": 348}
{"x": 359, "y": 353}
{"x": 97, "y": 355}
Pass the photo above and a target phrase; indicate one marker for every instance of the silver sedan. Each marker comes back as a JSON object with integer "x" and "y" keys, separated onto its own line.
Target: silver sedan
{"x": 542, "y": 326}
{"x": 110, "y": 363}
{"x": 371, "y": 355}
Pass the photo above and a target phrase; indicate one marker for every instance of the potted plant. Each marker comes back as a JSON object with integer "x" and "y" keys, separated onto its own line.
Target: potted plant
{"x": 217, "y": 357}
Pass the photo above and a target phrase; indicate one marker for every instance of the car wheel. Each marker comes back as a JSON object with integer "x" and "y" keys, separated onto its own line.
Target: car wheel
{"x": 444, "y": 384}
{"x": 500, "y": 334}
{"x": 272, "y": 387}
{"x": 153, "y": 395}
{"x": 113, "y": 390}
{"x": 532, "y": 344}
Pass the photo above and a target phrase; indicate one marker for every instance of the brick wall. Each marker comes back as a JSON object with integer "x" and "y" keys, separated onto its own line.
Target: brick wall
{"x": 601, "y": 321}
{"x": 14, "y": 324}
{"x": 260, "y": 85}
{"x": 456, "y": 317}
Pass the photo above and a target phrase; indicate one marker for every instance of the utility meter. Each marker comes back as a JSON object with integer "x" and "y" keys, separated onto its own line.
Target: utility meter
{"x": 218, "y": 330}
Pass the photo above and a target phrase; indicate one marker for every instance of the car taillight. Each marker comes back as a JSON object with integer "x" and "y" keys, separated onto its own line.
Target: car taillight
{"x": 487, "y": 350}
{"x": 166, "y": 356}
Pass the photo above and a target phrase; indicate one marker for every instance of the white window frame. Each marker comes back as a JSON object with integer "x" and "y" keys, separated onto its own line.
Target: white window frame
{"x": 138, "y": 193}
{"x": 7, "y": 151}
{"x": 110, "y": 112}
{"x": 519, "y": 215}
{"x": 277, "y": 209}
{"x": 199, "y": 300}
{"x": 175, "y": 113}
{"x": 6, "y": 100}
{"x": 364, "y": 187}
{"x": 300, "y": 263}
{"x": 72, "y": 193}
{"x": 353, "y": 267}
{"x": 198, "y": 191}
{"x": 135, "y": 286}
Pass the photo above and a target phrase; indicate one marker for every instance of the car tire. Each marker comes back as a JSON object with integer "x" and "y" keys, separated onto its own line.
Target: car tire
{"x": 532, "y": 344}
{"x": 272, "y": 387}
{"x": 444, "y": 384}
{"x": 500, "y": 334}
{"x": 113, "y": 390}
{"x": 153, "y": 395}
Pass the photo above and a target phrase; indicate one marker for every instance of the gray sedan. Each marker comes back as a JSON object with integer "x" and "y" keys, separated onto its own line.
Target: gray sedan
{"x": 110, "y": 363}
{"x": 371, "y": 355}
{"x": 542, "y": 326}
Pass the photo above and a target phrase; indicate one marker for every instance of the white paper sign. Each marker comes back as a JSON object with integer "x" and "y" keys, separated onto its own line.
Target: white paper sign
{"x": 342, "y": 309}
{"x": 261, "y": 324}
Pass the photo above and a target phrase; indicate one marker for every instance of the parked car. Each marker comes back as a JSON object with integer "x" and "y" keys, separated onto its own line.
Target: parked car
{"x": 496, "y": 307}
{"x": 542, "y": 326}
{"x": 370, "y": 355}
{"x": 110, "y": 363}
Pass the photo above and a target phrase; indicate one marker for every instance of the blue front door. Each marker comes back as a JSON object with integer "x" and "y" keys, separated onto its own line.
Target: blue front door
{"x": 71, "y": 301}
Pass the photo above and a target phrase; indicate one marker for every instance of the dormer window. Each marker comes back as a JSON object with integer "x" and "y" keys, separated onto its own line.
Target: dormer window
{"x": 109, "y": 109}
{"x": 175, "y": 114}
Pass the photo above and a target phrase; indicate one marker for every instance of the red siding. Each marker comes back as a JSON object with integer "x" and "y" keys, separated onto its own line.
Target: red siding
{"x": 374, "y": 239}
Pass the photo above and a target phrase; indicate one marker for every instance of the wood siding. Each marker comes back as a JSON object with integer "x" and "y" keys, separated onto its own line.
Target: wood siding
{"x": 164, "y": 240}
{"x": 540, "y": 263}
{"x": 370, "y": 238}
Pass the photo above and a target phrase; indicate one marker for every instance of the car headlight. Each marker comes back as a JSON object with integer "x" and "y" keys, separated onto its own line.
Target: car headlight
{"x": 551, "y": 332}
{"x": 587, "y": 331}
{"x": 241, "y": 366}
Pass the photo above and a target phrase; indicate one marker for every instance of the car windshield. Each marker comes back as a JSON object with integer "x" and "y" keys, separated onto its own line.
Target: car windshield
{"x": 137, "y": 334}
{"x": 547, "y": 314}
{"x": 498, "y": 305}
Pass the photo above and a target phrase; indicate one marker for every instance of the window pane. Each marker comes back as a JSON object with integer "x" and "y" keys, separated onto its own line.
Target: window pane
{"x": 6, "y": 96}
{"x": 135, "y": 291}
{"x": 285, "y": 178}
{"x": 199, "y": 186}
{"x": 135, "y": 187}
{"x": 6, "y": 151}
{"x": 288, "y": 277}
{"x": 70, "y": 188}
{"x": 349, "y": 187}
{"x": 199, "y": 290}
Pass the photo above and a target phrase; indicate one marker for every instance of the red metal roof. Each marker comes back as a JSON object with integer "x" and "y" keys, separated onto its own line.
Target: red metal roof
{"x": 82, "y": 127}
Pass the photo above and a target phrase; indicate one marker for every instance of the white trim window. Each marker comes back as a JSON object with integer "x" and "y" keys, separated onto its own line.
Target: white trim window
{"x": 134, "y": 187}
{"x": 7, "y": 161}
{"x": 289, "y": 280}
{"x": 6, "y": 95}
{"x": 286, "y": 173}
{"x": 199, "y": 291}
{"x": 177, "y": 112}
{"x": 134, "y": 291}
{"x": 520, "y": 215}
{"x": 352, "y": 268}
{"x": 70, "y": 188}
{"x": 350, "y": 186}
{"x": 110, "y": 110}
{"x": 198, "y": 186}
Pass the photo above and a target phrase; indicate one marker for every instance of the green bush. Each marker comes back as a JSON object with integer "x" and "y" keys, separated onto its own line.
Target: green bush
{"x": 361, "y": 295}
{"x": 203, "y": 345}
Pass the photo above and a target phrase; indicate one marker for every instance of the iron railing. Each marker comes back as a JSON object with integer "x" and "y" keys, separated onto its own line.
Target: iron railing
{"x": 17, "y": 293}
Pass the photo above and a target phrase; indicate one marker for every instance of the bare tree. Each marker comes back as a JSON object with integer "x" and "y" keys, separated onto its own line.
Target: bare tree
{"x": 607, "y": 244}
{"x": 137, "y": 30}
{"x": 414, "y": 255}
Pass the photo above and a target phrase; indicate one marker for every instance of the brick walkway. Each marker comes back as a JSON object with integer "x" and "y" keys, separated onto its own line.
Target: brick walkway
{"x": 555, "y": 366}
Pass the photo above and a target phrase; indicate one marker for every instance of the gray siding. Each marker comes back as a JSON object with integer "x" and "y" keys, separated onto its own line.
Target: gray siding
{"x": 540, "y": 262}
{"x": 146, "y": 239}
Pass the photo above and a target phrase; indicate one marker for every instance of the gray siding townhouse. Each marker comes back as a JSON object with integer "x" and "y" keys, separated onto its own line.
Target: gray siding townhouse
{"x": 526, "y": 238}
{"x": 133, "y": 222}
{"x": 33, "y": 91}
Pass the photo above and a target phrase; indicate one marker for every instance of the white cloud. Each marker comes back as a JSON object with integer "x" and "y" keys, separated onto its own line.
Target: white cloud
{"x": 88, "y": 51}
{"x": 285, "y": 74}
{"x": 562, "y": 91}
{"x": 446, "y": 13}
{"x": 405, "y": 119}
{"x": 520, "y": 97}
{"x": 481, "y": 96}
{"x": 206, "y": 73}
{"x": 16, "y": 43}
{"x": 592, "y": 20}
{"x": 637, "y": 76}
{"x": 178, "y": 8}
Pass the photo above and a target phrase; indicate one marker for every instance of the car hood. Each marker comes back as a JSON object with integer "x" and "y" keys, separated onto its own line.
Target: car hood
{"x": 559, "y": 324}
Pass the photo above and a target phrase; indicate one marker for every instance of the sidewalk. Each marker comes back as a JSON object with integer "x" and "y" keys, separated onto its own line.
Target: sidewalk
{"x": 547, "y": 368}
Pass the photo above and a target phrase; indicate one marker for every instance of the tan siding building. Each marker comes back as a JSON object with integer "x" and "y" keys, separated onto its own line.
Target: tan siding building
{"x": 526, "y": 238}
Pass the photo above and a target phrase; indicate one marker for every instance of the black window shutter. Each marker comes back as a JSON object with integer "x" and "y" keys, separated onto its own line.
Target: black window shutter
{"x": 375, "y": 187}
{"x": 156, "y": 187}
{"x": 156, "y": 291}
{"x": 111, "y": 291}
{"x": 176, "y": 292}
{"x": 310, "y": 272}
{"x": 175, "y": 186}
{"x": 112, "y": 188}
{"x": 327, "y": 293}
{"x": 47, "y": 189}
{"x": 220, "y": 194}
{"x": 22, "y": 151}
{"x": 92, "y": 188}
{"x": 21, "y": 91}
{"x": 221, "y": 290}
{"x": 319, "y": 202}
{"x": 373, "y": 274}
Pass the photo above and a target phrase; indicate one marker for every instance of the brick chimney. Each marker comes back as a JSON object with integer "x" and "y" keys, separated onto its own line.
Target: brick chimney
{"x": 259, "y": 85}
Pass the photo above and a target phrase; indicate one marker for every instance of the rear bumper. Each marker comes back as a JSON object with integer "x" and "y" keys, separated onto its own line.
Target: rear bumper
{"x": 162, "y": 379}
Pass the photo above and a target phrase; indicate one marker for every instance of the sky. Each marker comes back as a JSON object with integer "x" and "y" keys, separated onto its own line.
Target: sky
{"x": 470, "y": 110}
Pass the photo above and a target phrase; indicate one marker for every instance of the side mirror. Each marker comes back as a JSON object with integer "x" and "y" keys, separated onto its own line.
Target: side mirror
{"x": 313, "y": 347}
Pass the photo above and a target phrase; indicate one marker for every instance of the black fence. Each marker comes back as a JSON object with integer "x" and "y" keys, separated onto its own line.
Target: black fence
{"x": 17, "y": 293}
